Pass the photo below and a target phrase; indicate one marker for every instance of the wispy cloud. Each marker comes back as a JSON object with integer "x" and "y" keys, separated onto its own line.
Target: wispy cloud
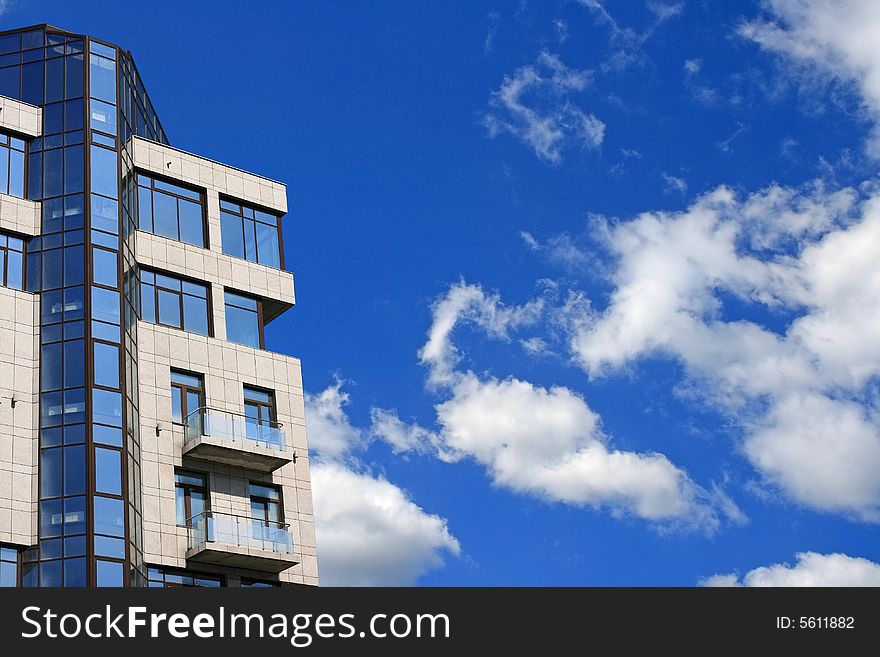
{"x": 725, "y": 145}
{"x": 674, "y": 183}
{"x": 489, "y": 42}
{"x": 534, "y": 104}
{"x": 627, "y": 45}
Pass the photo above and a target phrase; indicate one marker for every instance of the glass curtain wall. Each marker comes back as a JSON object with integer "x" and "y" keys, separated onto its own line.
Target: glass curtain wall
{"x": 81, "y": 264}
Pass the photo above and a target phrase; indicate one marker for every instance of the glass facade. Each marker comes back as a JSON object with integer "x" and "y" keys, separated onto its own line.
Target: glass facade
{"x": 91, "y": 291}
{"x": 81, "y": 264}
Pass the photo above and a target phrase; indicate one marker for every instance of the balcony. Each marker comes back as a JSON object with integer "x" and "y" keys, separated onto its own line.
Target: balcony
{"x": 235, "y": 439}
{"x": 225, "y": 539}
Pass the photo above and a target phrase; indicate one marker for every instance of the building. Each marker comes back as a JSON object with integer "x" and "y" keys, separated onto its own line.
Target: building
{"x": 147, "y": 436}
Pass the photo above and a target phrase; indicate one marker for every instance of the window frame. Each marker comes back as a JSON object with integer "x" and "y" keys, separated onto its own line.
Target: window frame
{"x": 175, "y": 572}
{"x": 10, "y": 135}
{"x": 153, "y": 178}
{"x": 180, "y": 299}
{"x": 271, "y": 405}
{"x": 266, "y": 501}
{"x": 184, "y": 389}
{"x": 187, "y": 489}
{"x": 240, "y": 214}
{"x": 4, "y": 266}
{"x": 261, "y": 327}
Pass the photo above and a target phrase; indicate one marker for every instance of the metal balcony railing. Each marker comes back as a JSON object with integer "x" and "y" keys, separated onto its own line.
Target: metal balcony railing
{"x": 235, "y": 427}
{"x": 242, "y": 531}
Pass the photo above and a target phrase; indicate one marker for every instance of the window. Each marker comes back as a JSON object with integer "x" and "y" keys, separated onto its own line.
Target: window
{"x": 187, "y": 394}
{"x": 8, "y": 567}
{"x": 170, "y": 210}
{"x": 191, "y": 496}
{"x": 244, "y": 320}
{"x": 175, "y": 302}
{"x": 266, "y": 508}
{"x": 258, "y": 584}
{"x": 259, "y": 411}
{"x": 12, "y": 155}
{"x": 170, "y": 578}
{"x": 11, "y": 261}
{"x": 251, "y": 234}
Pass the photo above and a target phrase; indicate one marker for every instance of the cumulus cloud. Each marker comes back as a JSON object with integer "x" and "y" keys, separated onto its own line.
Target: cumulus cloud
{"x": 546, "y": 442}
{"x": 331, "y": 435}
{"x": 801, "y": 393}
{"x": 534, "y": 105}
{"x": 370, "y": 533}
{"x": 827, "y": 39}
{"x": 811, "y": 569}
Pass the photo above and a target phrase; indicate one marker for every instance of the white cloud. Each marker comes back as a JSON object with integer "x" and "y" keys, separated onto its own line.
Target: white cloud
{"x": 693, "y": 66}
{"x": 561, "y": 30}
{"x": 801, "y": 393}
{"x": 547, "y": 442}
{"x": 674, "y": 183}
{"x": 469, "y": 303}
{"x": 401, "y": 436}
{"x": 626, "y": 43}
{"x": 370, "y": 533}
{"x": 559, "y": 249}
{"x": 331, "y": 435}
{"x": 812, "y": 569}
{"x": 533, "y": 104}
{"x": 831, "y": 39}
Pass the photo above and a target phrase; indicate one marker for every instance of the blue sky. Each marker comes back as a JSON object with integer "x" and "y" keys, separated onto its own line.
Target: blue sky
{"x": 586, "y": 293}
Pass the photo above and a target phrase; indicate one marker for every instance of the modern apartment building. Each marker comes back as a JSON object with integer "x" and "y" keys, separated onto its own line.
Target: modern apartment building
{"x": 148, "y": 436}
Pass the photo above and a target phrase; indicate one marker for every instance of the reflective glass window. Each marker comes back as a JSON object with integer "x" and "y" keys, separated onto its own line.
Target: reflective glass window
{"x": 12, "y": 156}
{"x": 106, "y": 364}
{"x": 243, "y": 320}
{"x": 109, "y": 516}
{"x": 170, "y": 301}
{"x": 11, "y": 261}
{"x": 249, "y": 233}
{"x": 108, "y": 471}
{"x": 171, "y": 210}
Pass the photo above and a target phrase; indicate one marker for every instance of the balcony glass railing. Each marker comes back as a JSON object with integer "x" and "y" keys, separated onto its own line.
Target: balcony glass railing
{"x": 242, "y": 531}
{"x": 235, "y": 427}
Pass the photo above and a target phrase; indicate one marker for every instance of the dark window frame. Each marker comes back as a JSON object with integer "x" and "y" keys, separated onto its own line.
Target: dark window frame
{"x": 156, "y": 287}
{"x": 184, "y": 389}
{"x": 6, "y": 138}
{"x": 4, "y": 265}
{"x": 187, "y": 490}
{"x": 160, "y": 575}
{"x": 152, "y": 178}
{"x": 266, "y": 501}
{"x": 240, "y": 213}
{"x": 261, "y": 326}
{"x": 260, "y": 404}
